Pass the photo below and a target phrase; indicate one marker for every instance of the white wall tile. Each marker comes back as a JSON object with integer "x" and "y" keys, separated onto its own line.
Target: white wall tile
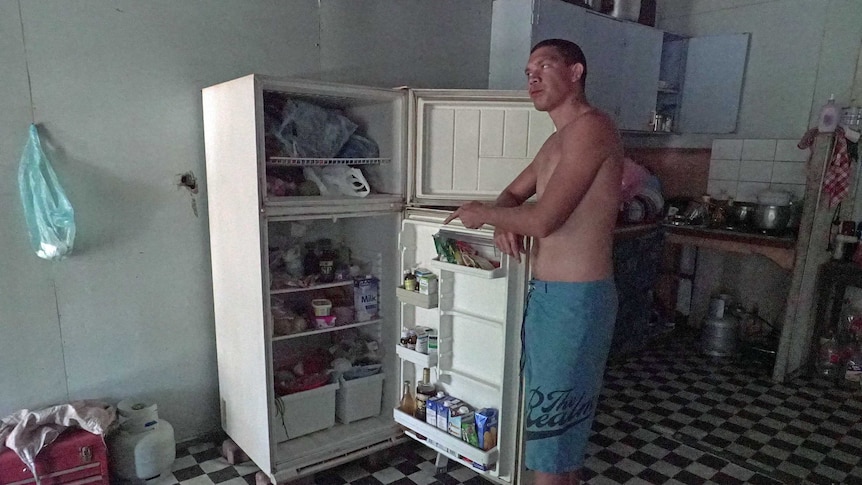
{"x": 758, "y": 149}
{"x": 755, "y": 171}
{"x": 796, "y": 190}
{"x": 788, "y": 173}
{"x": 747, "y": 191}
{"x": 726, "y": 149}
{"x": 724, "y": 169}
{"x": 721, "y": 189}
{"x": 787, "y": 151}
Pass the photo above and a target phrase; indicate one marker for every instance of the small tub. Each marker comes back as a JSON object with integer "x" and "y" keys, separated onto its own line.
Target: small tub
{"x": 327, "y": 321}
{"x": 322, "y": 307}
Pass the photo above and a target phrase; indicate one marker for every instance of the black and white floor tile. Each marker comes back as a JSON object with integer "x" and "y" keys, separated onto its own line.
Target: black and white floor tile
{"x": 667, "y": 416}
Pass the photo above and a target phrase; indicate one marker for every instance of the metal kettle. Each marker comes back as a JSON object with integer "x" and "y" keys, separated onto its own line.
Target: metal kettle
{"x": 720, "y": 333}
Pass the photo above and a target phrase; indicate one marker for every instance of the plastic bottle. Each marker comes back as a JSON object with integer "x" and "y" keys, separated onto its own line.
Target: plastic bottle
{"x": 829, "y": 116}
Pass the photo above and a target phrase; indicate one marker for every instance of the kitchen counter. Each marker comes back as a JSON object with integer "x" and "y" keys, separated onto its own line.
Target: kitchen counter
{"x": 780, "y": 249}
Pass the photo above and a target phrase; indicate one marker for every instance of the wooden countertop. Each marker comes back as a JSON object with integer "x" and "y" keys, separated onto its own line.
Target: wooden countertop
{"x": 781, "y": 250}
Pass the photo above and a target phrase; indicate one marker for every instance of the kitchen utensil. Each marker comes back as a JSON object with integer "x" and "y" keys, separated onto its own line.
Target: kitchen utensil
{"x": 740, "y": 214}
{"x": 773, "y": 218}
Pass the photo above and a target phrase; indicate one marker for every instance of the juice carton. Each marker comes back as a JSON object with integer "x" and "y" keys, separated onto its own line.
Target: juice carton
{"x": 458, "y": 415}
{"x": 486, "y": 428}
{"x": 444, "y": 407}
{"x": 431, "y": 409}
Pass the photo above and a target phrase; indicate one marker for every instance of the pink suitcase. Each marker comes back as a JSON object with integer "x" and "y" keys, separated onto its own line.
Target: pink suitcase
{"x": 76, "y": 457}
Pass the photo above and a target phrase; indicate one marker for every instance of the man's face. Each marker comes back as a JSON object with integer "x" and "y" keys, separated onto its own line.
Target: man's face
{"x": 549, "y": 80}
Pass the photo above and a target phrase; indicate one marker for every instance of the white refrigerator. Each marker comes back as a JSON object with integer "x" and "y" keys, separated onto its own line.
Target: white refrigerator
{"x": 437, "y": 148}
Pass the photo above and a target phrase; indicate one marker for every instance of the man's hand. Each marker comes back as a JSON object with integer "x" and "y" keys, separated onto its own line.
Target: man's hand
{"x": 472, "y": 215}
{"x": 509, "y": 243}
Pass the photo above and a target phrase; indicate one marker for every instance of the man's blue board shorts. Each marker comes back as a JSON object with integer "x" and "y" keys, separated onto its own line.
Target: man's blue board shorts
{"x": 567, "y": 333}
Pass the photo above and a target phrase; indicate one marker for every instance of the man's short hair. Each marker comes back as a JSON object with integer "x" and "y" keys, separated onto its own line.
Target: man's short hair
{"x": 571, "y": 52}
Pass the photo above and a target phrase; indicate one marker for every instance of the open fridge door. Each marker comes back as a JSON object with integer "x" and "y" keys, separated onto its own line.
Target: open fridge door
{"x": 470, "y": 144}
{"x": 476, "y": 315}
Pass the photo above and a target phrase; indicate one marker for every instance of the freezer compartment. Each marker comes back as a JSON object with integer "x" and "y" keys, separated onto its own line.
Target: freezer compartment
{"x": 331, "y": 145}
{"x": 443, "y": 442}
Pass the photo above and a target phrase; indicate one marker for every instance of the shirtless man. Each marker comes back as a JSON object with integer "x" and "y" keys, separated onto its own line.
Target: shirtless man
{"x": 572, "y": 303}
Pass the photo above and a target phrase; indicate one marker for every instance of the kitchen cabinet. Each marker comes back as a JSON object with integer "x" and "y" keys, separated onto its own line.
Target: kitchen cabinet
{"x": 634, "y": 70}
{"x": 434, "y": 148}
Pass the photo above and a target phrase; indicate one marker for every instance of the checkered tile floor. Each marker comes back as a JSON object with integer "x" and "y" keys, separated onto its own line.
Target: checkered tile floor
{"x": 667, "y": 416}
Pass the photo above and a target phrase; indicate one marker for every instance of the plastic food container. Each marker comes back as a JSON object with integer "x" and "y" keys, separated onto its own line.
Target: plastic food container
{"x": 327, "y": 321}
{"x": 322, "y": 307}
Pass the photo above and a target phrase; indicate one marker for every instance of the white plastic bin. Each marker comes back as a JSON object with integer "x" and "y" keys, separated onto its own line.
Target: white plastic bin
{"x": 359, "y": 398}
{"x": 305, "y": 412}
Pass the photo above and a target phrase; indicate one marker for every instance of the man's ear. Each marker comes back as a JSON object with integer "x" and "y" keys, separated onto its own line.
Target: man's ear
{"x": 577, "y": 71}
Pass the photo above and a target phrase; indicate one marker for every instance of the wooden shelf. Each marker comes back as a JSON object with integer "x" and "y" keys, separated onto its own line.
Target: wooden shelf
{"x": 781, "y": 250}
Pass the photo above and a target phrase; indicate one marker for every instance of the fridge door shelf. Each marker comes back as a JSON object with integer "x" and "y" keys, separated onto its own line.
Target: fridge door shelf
{"x": 479, "y": 273}
{"x": 415, "y": 298}
{"x": 308, "y": 162}
{"x": 324, "y": 330}
{"x": 477, "y": 459}
{"x": 418, "y": 358}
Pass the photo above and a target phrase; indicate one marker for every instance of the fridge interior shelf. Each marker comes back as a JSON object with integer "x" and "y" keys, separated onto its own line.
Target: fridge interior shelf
{"x": 447, "y": 444}
{"x": 311, "y": 288}
{"x": 480, "y": 273}
{"x": 324, "y": 330}
{"x": 308, "y": 162}
{"x": 415, "y": 298}
{"x": 418, "y": 358}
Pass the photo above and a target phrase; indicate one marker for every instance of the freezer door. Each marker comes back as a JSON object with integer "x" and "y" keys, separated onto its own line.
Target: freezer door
{"x": 469, "y": 144}
{"x": 477, "y": 315}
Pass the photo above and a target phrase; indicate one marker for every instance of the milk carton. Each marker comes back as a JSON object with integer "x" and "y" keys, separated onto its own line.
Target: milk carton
{"x": 444, "y": 407}
{"x": 366, "y": 295}
{"x": 431, "y": 409}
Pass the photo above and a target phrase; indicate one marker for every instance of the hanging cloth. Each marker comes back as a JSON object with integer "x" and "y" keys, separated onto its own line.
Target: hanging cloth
{"x": 836, "y": 181}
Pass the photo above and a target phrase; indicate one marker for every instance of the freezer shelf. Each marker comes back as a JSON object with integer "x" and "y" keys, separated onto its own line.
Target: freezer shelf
{"x": 480, "y": 273}
{"x": 459, "y": 450}
{"x": 418, "y": 358}
{"x": 415, "y": 298}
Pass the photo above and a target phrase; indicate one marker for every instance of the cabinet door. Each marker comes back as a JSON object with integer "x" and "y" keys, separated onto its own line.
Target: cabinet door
{"x": 553, "y": 19}
{"x": 511, "y": 24}
{"x": 712, "y": 86}
{"x": 602, "y": 42}
{"x": 641, "y": 61}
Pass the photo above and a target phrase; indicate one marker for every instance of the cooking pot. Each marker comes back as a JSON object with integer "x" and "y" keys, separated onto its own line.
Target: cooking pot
{"x": 741, "y": 214}
{"x": 772, "y": 217}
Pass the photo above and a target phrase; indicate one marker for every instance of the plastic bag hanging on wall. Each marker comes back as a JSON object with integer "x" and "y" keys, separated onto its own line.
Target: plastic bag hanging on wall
{"x": 47, "y": 210}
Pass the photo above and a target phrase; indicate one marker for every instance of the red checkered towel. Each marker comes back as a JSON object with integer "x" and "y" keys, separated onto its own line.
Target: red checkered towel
{"x": 836, "y": 181}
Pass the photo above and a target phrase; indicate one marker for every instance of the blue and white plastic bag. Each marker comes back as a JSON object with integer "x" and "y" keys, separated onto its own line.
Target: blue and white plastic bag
{"x": 47, "y": 210}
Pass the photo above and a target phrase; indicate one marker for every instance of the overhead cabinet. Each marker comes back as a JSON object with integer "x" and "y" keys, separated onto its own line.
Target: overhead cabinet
{"x": 633, "y": 71}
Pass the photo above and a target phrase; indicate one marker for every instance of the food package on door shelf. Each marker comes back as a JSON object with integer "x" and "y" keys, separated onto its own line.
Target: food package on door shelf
{"x": 460, "y": 252}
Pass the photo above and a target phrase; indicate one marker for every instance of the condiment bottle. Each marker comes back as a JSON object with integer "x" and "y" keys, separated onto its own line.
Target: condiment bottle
{"x": 829, "y": 115}
{"x": 410, "y": 283}
{"x": 310, "y": 264}
{"x": 408, "y": 404}
{"x": 326, "y": 261}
